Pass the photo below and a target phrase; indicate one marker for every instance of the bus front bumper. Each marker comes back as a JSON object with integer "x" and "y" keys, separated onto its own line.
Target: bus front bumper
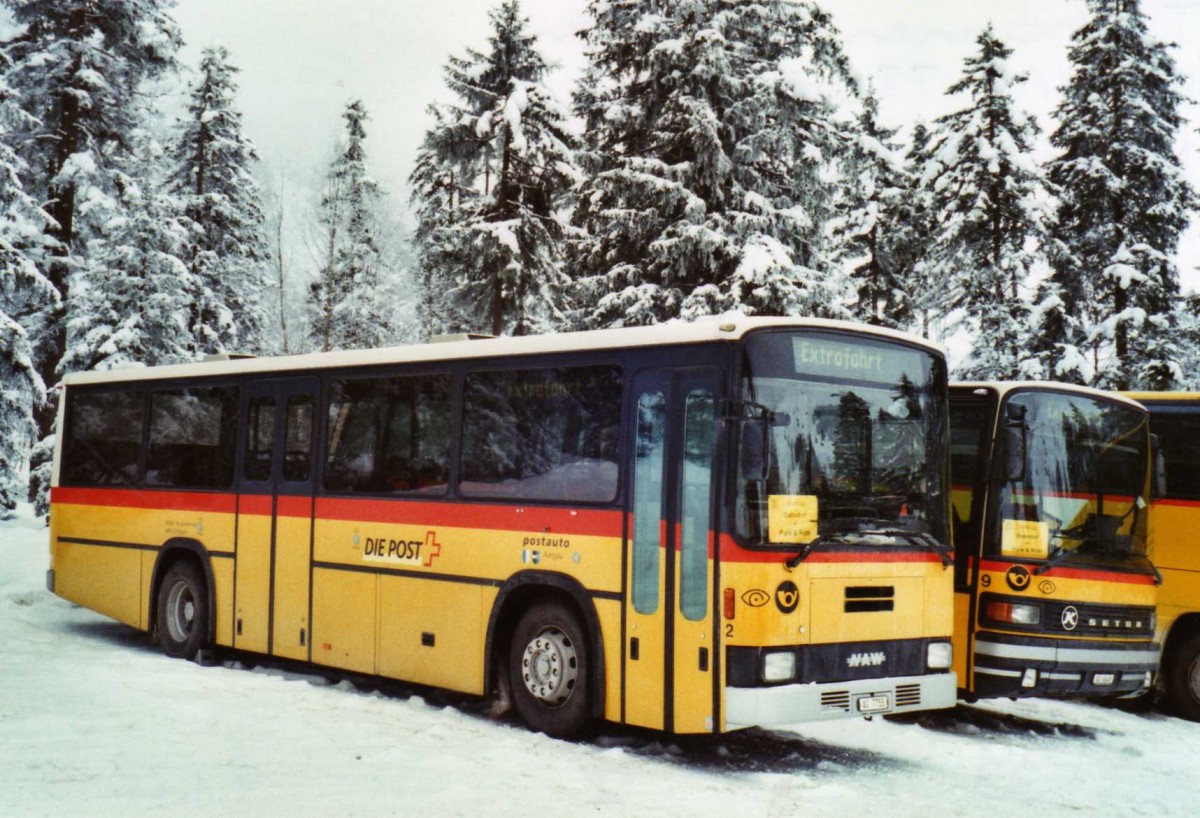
{"x": 1023, "y": 666}
{"x": 792, "y": 704}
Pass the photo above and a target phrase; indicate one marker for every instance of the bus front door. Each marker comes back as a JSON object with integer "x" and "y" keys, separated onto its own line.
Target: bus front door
{"x": 275, "y": 511}
{"x": 669, "y": 650}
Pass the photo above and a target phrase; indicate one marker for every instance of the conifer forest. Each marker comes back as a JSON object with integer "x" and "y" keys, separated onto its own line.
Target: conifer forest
{"x": 715, "y": 156}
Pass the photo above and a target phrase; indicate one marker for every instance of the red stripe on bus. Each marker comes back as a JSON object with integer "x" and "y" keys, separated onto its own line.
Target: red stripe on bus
{"x": 154, "y": 500}
{"x": 255, "y": 504}
{"x": 291, "y": 506}
{"x": 732, "y": 552}
{"x": 1178, "y": 503}
{"x": 1061, "y": 572}
{"x": 579, "y": 522}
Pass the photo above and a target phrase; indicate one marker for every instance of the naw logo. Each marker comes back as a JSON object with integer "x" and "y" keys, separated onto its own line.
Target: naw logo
{"x": 874, "y": 659}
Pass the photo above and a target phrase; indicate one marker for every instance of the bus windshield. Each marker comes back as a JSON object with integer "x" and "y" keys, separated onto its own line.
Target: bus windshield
{"x": 1084, "y": 479}
{"x": 845, "y": 442}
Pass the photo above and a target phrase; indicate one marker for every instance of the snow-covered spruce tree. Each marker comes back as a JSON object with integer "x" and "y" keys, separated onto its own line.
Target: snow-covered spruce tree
{"x": 1124, "y": 203}
{"x": 711, "y": 152}
{"x": 913, "y": 225}
{"x": 347, "y": 302}
{"x": 988, "y": 195}
{"x": 489, "y": 180}
{"x": 866, "y": 233}
{"x": 78, "y": 66}
{"x": 24, "y": 293}
{"x": 130, "y": 296}
{"x": 226, "y": 252}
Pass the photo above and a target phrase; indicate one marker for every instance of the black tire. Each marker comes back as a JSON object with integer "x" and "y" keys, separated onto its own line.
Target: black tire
{"x": 549, "y": 668}
{"x": 182, "y": 611}
{"x": 1182, "y": 677}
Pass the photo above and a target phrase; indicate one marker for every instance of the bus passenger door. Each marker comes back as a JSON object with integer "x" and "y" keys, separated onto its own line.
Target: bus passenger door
{"x": 274, "y": 526}
{"x": 294, "y": 519}
{"x": 669, "y": 651}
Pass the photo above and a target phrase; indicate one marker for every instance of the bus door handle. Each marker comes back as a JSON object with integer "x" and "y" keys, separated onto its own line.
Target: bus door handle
{"x": 633, "y": 648}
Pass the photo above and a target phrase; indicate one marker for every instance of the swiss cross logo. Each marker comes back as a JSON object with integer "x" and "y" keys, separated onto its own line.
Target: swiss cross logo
{"x": 432, "y": 547}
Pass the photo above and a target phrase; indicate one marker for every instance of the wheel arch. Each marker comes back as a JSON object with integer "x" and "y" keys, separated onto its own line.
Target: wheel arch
{"x": 172, "y": 551}
{"x": 1183, "y": 627}
{"x": 517, "y": 595}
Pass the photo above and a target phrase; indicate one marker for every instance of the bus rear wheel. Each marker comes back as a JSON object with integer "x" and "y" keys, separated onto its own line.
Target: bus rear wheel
{"x": 182, "y": 611}
{"x": 1183, "y": 678}
{"x": 548, "y": 667}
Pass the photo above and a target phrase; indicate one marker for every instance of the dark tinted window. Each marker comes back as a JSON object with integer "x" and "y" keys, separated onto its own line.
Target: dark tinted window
{"x": 970, "y": 442}
{"x": 260, "y": 439}
{"x": 104, "y": 438}
{"x": 1179, "y": 438}
{"x": 297, "y": 449}
{"x": 192, "y": 434}
{"x": 547, "y": 434}
{"x": 389, "y": 435}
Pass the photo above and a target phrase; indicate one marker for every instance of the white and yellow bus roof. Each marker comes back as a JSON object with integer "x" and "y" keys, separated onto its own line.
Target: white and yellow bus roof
{"x": 1002, "y": 388}
{"x": 672, "y": 333}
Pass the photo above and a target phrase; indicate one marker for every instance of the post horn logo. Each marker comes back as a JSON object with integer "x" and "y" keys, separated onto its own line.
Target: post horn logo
{"x": 787, "y": 596}
{"x": 1018, "y": 578}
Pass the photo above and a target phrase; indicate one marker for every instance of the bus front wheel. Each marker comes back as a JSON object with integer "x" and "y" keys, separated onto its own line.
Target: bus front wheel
{"x": 1183, "y": 678}
{"x": 182, "y": 611}
{"x": 548, "y": 670}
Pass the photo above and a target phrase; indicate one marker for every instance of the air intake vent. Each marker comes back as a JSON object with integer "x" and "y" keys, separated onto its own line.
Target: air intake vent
{"x": 836, "y": 700}
{"x": 908, "y": 695}
{"x": 870, "y": 598}
{"x": 870, "y": 592}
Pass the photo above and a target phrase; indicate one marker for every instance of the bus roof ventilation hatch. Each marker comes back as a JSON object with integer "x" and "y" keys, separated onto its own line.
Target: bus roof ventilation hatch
{"x": 449, "y": 337}
{"x": 227, "y": 356}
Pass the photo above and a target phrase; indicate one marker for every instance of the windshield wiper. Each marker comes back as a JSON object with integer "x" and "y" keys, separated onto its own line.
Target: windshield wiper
{"x": 808, "y": 548}
{"x": 919, "y": 539}
{"x": 1057, "y": 557}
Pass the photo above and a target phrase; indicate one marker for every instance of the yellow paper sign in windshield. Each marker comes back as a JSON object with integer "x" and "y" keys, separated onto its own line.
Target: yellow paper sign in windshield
{"x": 792, "y": 518}
{"x": 1025, "y": 538}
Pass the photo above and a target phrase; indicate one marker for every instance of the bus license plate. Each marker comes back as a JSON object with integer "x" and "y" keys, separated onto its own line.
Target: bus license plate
{"x": 872, "y": 704}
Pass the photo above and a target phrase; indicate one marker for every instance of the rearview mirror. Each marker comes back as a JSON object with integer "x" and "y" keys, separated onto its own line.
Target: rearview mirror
{"x": 1014, "y": 443}
{"x": 1158, "y": 483}
{"x": 754, "y": 444}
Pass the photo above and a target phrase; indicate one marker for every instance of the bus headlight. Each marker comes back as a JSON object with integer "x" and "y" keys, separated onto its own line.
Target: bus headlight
{"x": 779, "y": 666}
{"x": 939, "y": 656}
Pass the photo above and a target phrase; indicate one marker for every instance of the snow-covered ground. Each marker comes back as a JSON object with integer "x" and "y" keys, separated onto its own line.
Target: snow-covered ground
{"x": 94, "y": 721}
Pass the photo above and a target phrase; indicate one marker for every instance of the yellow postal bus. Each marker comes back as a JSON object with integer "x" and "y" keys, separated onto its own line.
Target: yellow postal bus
{"x": 690, "y": 528}
{"x": 1174, "y": 523}
{"x": 1054, "y": 593}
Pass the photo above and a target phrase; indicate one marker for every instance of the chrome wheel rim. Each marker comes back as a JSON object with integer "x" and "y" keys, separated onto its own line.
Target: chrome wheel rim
{"x": 549, "y": 667}
{"x": 181, "y": 611}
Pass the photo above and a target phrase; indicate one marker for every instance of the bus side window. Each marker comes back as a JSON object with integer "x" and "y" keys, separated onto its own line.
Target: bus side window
{"x": 192, "y": 437}
{"x": 648, "y": 500}
{"x": 969, "y": 443}
{"x": 542, "y": 434}
{"x": 260, "y": 439}
{"x": 1179, "y": 438}
{"x": 389, "y": 435}
{"x": 696, "y": 487}
{"x": 104, "y": 438}
{"x": 297, "y": 432}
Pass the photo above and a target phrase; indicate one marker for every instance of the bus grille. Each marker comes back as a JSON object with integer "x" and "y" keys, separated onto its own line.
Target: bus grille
{"x": 908, "y": 695}
{"x": 836, "y": 699}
